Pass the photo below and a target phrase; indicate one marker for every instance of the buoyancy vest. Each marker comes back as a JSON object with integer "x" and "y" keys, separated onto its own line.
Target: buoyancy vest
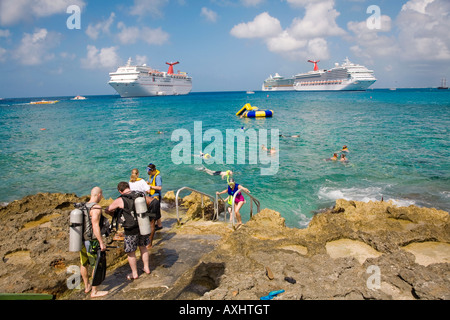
{"x": 232, "y": 192}
{"x": 152, "y": 180}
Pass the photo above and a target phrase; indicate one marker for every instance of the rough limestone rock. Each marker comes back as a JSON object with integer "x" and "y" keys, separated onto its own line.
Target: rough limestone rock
{"x": 339, "y": 255}
{"x": 34, "y": 244}
{"x": 356, "y": 250}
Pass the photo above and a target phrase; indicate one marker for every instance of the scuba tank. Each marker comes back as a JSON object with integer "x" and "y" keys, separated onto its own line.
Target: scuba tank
{"x": 76, "y": 230}
{"x": 143, "y": 220}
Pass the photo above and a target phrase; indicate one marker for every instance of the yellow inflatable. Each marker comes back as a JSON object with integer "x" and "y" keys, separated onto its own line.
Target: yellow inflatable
{"x": 247, "y": 111}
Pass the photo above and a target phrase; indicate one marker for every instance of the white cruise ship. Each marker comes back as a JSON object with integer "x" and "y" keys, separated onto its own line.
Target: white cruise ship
{"x": 345, "y": 77}
{"x": 143, "y": 81}
{"x": 278, "y": 83}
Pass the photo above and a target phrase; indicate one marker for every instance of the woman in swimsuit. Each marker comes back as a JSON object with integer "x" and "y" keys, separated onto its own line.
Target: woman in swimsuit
{"x": 233, "y": 187}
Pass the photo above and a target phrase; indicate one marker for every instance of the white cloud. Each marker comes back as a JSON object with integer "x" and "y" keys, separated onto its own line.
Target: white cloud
{"x": 372, "y": 43}
{"x": 419, "y": 33}
{"x": 284, "y": 42}
{"x": 130, "y": 35}
{"x": 424, "y": 30}
{"x": 305, "y": 38}
{"x": 251, "y": 3}
{"x": 14, "y": 11}
{"x": 105, "y": 58}
{"x": 209, "y": 14}
{"x": 93, "y": 31}
{"x": 263, "y": 26}
{"x": 148, "y": 7}
{"x": 140, "y": 60}
{"x": 34, "y": 48}
{"x": 319, "y": 21}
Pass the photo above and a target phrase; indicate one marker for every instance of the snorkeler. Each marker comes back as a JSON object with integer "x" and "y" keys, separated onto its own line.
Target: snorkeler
{"x": 343, "y": 158}
{"x": 333, "y": 158}
{"x": 202, "y": 155}
{"x": 345, "y": 149}
{"x": 223, "y": 174}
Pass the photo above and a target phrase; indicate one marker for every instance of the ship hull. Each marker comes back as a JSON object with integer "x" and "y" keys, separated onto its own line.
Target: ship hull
{"x": 150, "y": 89}
{"x": 278, "y": 88}
{"x": 333, "y": 86}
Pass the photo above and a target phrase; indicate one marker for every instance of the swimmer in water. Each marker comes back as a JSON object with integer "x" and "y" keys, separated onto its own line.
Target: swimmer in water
{"x": 345, "y": 149}
{"x": 343, "y": 158}
{"x": 293, "y": 136}
{"x": 271, "y": 150}
{"x": 202, "y": 155}
{"x": 223, "y": 174}
{"x": 333, "y": 158}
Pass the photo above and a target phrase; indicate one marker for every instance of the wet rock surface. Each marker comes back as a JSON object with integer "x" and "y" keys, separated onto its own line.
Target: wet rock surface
{"x": 356, "y": 250}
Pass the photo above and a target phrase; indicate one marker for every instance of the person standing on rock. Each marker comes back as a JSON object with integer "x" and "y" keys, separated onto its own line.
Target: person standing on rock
{"x": 88, "y": 253}
{"x": 233, "y": 187}
{"x": 133, "y": 238}
{"x": 155, "y": 183}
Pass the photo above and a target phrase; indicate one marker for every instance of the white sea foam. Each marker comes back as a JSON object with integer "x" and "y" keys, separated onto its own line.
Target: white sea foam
{"x": 360, "y": 194}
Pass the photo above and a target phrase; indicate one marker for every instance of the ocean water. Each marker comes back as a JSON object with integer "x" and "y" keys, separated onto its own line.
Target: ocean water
{"x": 399, "y": 146}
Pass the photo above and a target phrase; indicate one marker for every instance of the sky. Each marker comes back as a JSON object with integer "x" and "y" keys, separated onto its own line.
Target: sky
{"x": 68, "y": 47}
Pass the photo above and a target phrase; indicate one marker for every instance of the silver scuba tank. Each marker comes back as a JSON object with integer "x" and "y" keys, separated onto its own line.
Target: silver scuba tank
{"x": 76, "y": 230}
{"x": 141, "y": 212}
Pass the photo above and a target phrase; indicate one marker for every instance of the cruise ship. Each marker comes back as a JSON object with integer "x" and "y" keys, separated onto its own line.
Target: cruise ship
{"x": 278, "y": 83}
{"x": 345, "y": 77}
{"x": 143, "y": 81}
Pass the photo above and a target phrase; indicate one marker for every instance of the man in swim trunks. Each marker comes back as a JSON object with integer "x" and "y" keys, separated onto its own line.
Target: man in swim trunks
{"x": 133, "y": 238}
{"x": 88, "y": 253}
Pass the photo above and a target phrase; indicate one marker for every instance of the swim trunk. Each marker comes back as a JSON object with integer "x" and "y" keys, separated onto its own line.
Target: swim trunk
{"x": 88, "y": 253}
{"x": 132, "y": 242}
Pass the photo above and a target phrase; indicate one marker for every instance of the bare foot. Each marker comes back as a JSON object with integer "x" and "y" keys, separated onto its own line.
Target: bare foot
{"x": 88, "y": 288}
{"x": 96, "y": 294}
{"x": 131, "y": 278}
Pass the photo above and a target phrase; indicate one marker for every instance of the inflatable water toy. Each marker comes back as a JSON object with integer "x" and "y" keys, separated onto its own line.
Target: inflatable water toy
{"x": 247, "y": 111}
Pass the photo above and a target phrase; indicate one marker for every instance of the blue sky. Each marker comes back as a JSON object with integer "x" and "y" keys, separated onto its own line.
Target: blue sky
{"x": 225, "y": 45}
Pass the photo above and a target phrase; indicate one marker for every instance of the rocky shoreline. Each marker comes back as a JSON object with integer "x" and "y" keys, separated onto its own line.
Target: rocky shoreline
{"x": 356, "y": 250}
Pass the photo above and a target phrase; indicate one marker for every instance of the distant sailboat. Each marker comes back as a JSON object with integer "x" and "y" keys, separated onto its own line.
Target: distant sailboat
{"x": 443, "y": 84}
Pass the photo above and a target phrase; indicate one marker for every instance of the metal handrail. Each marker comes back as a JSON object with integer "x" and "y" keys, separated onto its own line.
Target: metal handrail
{"x": 258, "y": 205}
{"x": 216, "y": 203}
{"x": 202, "y": 194}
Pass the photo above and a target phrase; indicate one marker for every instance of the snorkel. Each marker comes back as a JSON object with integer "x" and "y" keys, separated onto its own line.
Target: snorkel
{"x": 231, "y": 185}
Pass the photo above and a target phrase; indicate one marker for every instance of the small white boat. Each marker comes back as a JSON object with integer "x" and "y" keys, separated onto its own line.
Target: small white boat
{"x": 79, "y": 98}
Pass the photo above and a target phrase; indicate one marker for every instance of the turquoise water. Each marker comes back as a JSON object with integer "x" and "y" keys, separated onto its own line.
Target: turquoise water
{"x": 398, "y": 140}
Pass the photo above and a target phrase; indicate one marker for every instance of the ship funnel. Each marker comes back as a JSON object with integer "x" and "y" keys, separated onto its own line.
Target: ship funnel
{"x": 171, "y": 64}
{"x": 316, "y": 68}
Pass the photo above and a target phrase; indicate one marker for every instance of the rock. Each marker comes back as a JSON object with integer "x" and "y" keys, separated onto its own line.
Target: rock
{"x": 356, "y": 250}
{"x": 34, "y": 240}
{"x": 198, "y": 208}
{"x": 169, "y": 196}
{"x": 335, "y": 256}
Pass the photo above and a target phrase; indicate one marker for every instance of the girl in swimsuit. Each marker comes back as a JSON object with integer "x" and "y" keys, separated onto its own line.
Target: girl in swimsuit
{"x": 233, "y": 187}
